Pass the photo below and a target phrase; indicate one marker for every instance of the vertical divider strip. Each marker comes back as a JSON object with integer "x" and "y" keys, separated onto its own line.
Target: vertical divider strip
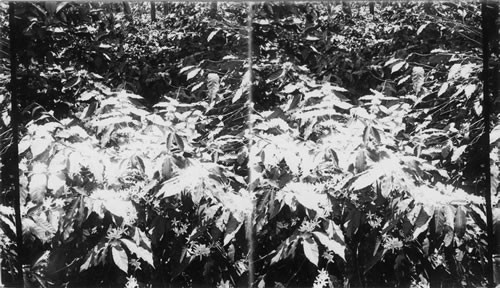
{"x": 250, "y": 217}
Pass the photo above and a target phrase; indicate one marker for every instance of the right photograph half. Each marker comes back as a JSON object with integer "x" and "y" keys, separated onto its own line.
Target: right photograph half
{"x": 372, "y": 164}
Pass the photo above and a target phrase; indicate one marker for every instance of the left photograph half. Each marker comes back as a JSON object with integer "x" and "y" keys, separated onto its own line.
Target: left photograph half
{"x": 123, "y": 141}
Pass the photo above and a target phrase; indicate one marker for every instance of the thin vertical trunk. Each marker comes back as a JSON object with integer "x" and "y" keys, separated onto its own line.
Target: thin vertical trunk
{"x": 489, "y": 13}
{"x": 372, "y": 8}
{"x": 166, "y": 7}
{"x": 12, "y": 160}
{"x": 127, "y": 10}
{"x": 346, "y": 8}
{"x": 213, "y": 10}
{"x": 153, "y": 12}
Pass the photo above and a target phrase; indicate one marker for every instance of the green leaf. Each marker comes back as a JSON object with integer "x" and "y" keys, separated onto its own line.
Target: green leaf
{"x": 376, "y": 134}
{"x": 423, "y": 219}
{"x": 494, "y": 135}
{"x": 286, "y": 246}
{"x": 330, "y": 244}
{"x": 232, "y": 227}
{"x": 40, "y": 145}
{"x": 360, "y": 162}
{"x": 193, "y": 73}
{"x": 421, "y": 28}
{"x": 179, "y": 141}
{"x": 212, "y": 34}
{"x": 72, "y": 82}
{"x": 184, "y": 69}
{"x": 89, "y": 261}
{"x": 196, "y": 87}
{"x": 120, "y": 258}
{"x": 397, "y": 67}
{"x": 439, "y": 221}
{"x": 169, "y": 142}
{"x": 457, "y": 152}
{"x": 38, "y": 187}
{"x": 353, "y": 222}
{"x": 294, "y": 102}
{"x": 167, "y": 168}
{"x": 460, "y": 222}
{"x": 454, "y": 71}
{"x": 366, "y": 179}
{"x": 311, "y": 250}
{"x": 141, "y": 253}
{"x": 391, "y": 61}
{"x": 469, "y": 90}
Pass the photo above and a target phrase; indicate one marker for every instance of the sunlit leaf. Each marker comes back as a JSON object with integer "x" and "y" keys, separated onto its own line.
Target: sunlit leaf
{"x": 423, "y": 219}
{"x": 38, "y": 183}
{"x": 40, "y": 145}
{"x": 142, "y": 253}
{"x": 331, "y": 244}
{"x": 196, "y": 87}
{"x": 232, "y": 227}
{"x": 311, "y": 250}
{"x": 120, "y": 258}
{"x": 457, "y": 152}
{"x": 191, "y": 74}
{"x": 391, "y": 61}
{"x": 443, "y": 88}
{"x": 397, "y": 67}
{"x": 469, "y": 90}
{"x": 454, "y": 71}
{"x": 186, "y": 68}
{"x": 212, "y": 34}
{"x": 495, "y": 134}
{"x": 421, "y": 28}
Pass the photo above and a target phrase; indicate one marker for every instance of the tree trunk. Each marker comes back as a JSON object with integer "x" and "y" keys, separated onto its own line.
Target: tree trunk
{"x": 346, "y": 8}
{"x": 372, "y": 8}
{"x": 166, "y": 7}
{"x": 153, "y": 12}
{"x": 10, "y": 160}
{"x": 489, "y": 13}
{"x": 127, "y": 10}
{"x": 213, "y": 10}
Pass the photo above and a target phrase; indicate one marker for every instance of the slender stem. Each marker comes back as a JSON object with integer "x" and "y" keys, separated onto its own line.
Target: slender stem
{"x": 295, "y": 274}
{"x": 14, "y": 149}
{"x": 1, "y": 282}
{"x": 486, "y": 138}
{"x": 250, "y": 219}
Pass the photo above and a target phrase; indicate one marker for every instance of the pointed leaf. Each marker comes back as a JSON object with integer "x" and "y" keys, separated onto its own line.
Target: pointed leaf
{"x": 232, "y": 227}
{"x": 454, "y": 71}
{"x": 311, "y": 250}
{"x": 141, "y": 253}
{"x": 179, "y": 141}
{"x": 443, "y": 88}
{"x": 457, "y": 152}
{"x": 330, "y": 244}
{"x": 423, "y": 219}
{"x": 120, "y": 258}
{"x": 439, "y": 220}
{"x": 184, "y": 69}
{"x": 366, "y": 179}
{"x": 40, "y": 145}
{"x": 212, "y": 34}
{"x": 193, "y": 73}
{"x": 421, "y": 28}
{"x": 397, "y": 67}
{"x": 38, "y": 187}
{"x": 360, "y": 163}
